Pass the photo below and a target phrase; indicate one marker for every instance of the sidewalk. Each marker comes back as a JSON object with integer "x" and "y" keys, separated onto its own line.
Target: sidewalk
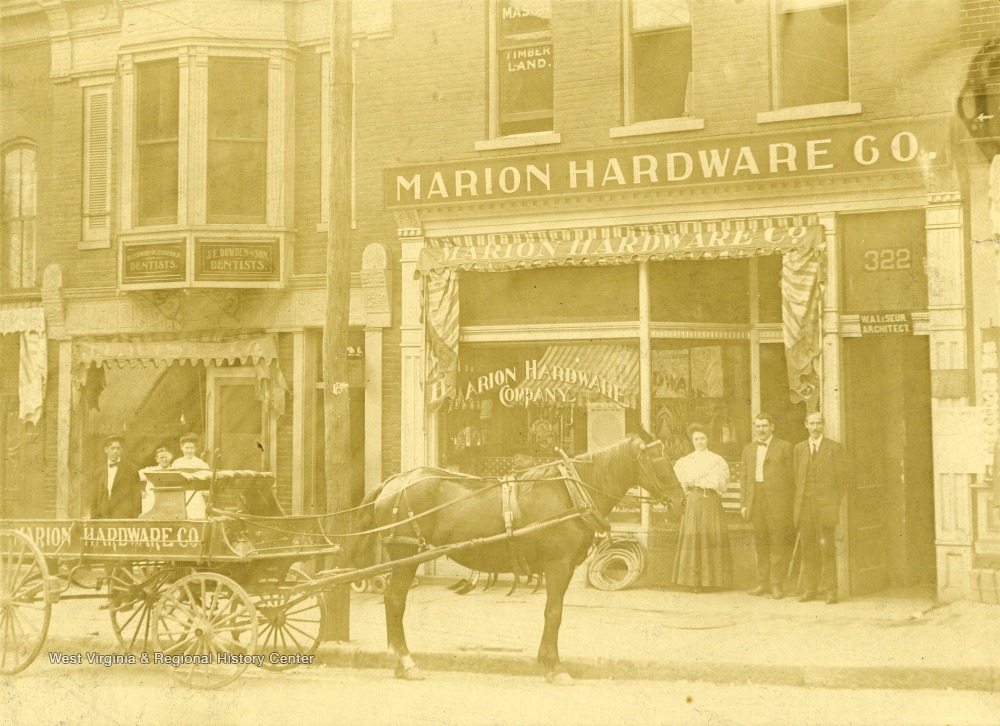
{"x": 896, "y": 639}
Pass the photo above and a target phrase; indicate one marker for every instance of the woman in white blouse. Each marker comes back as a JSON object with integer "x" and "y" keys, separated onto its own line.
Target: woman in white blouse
{"x": 704, "y": 559}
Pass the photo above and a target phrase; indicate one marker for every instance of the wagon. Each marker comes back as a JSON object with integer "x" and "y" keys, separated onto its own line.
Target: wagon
{"x": 204, "y": 596}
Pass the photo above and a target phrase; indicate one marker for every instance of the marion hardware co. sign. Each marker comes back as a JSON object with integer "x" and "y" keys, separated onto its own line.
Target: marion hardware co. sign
{"x": 852, "y": 149}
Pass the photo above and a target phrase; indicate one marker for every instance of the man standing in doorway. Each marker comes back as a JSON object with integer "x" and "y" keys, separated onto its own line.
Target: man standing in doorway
{"x": 116, "y": 492}
{"x": 821, "y": 473}
{"x": 766, "y": 497}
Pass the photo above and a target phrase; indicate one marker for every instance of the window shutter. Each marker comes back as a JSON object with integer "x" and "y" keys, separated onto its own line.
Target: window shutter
{"x": 97, "y": 168}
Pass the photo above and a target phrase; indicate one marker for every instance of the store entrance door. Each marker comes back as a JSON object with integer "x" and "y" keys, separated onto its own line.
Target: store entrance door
{"x": 236, "y": 424}
{"x": 887, "y": 432}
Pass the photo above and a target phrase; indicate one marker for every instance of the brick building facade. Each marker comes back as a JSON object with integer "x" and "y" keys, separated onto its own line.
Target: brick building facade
{"x": 707, "y": 208}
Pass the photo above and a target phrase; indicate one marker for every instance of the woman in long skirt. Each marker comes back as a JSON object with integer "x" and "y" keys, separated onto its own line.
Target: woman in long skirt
{"x": 704, "y": 559}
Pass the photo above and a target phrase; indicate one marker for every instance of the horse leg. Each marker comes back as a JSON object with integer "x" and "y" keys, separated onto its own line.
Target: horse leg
{"x": 395, "y": 606}
{"x": 557, "y": 577}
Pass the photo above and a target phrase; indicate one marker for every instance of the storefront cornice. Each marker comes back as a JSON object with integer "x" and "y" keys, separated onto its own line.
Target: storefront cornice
{"x": 816, "y": 195}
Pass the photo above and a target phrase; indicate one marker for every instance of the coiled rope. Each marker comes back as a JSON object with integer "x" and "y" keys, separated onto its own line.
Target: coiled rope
{"x": 605, "y": 571}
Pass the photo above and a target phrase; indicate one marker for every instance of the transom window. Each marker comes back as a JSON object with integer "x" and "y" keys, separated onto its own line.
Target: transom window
{"x": 18, "y": 223}
{"x": 523, "y": 67}
{"x": 812, "y": 52}
{"x": 660, "y": 63}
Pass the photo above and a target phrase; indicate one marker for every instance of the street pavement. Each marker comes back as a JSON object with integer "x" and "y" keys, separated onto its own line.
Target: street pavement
{"x": 891, "y": 640}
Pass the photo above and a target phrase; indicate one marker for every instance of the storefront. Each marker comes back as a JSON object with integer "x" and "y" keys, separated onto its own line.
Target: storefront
{"x": 568, "y": 319}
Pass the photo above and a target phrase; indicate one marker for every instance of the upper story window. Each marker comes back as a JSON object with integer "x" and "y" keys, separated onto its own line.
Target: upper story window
{"x": 660, "y": 59}
{"x": 200, "y": 133}
{"x": 523, "y": 67}
{"x": 20, "y": 182}
{"x": 812, "y": 52}
{"x": 157, "y": 137}
{"x": 237, "y": 140}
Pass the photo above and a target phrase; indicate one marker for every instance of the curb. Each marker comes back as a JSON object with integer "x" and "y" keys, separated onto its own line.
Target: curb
{"x": 965, "y": 678}
{"x": 344, "y": 655}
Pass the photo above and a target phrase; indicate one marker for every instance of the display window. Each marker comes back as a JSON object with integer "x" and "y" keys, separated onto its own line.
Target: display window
{"x": 705, "y": 382}
{"x": 700, "y": 291}
{"x": 517, "y": 405}
{"x": 569, "y": 294}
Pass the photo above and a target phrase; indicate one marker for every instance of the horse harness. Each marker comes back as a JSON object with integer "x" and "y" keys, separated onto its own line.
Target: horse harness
{"x": 582, "y": 501}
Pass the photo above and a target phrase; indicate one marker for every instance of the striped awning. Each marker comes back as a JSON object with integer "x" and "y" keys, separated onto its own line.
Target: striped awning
{"x": 620, "y": 245}
{"x": 799, "y": 239}
{"x": 259, "y": 351}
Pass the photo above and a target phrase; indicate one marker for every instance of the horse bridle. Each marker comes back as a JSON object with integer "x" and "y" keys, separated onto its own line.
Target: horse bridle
{"x": 644, "y": 459}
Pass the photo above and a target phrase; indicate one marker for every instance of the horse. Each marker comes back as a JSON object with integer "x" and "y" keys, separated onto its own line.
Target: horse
{"x": 562, "y": 505}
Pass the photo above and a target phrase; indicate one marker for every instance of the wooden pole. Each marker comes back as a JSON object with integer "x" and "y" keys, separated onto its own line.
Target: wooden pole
{"x": 337, "y": 440}
{"x": 336, "y": 398}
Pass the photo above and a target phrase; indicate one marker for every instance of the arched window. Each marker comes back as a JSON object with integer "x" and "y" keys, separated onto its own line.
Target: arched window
{"x": 20, "y": 181}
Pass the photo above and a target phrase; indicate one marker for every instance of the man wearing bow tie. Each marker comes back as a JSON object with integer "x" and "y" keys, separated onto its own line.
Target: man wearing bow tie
{"x": 821, "y": 474}
{"x": 766, "y": 497}
{"x": 116, "y": 492}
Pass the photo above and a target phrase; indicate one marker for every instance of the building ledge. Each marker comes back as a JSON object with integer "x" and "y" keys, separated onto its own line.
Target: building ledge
{"x": 518, "y": 141}
{"x": 657, "y": 126}
{"x": 817, "y": 110}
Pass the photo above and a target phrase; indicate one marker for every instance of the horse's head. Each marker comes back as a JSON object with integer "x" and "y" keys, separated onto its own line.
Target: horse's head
{"x": 656, "y": 473}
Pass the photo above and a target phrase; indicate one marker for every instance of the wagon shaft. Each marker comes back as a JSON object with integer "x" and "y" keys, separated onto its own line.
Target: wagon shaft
{"x": 332, "y": 578}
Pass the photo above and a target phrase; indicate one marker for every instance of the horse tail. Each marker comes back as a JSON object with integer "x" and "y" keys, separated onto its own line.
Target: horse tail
{"x": 362, "y": 539}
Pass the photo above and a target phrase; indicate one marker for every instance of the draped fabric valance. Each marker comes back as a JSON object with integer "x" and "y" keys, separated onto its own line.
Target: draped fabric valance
{"x": 260, "y": 351}
{"x": 33, "y": 360}
{"x": 799, "y": 239}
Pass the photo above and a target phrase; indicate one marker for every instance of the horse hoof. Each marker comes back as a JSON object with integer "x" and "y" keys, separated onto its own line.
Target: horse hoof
{"x": 413, "y": 673}
{"x": 561, "y": 678}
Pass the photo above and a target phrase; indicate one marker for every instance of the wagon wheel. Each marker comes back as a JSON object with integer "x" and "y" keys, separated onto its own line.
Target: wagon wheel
{"x": 133, "y": 591}
{"x": 290, "y": 624}
{"x": 25, "y": 607}
{"x": 207, "y": 625}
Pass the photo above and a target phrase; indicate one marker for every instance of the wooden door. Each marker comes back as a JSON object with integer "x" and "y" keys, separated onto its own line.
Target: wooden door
{"x": 868, "y": 499}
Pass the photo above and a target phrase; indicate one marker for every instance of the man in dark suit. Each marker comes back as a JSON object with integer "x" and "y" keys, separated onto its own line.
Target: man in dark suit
{"x": 116, "y": 492}
{"x": 766, "y": 497}
{"x": 821, "y": 473}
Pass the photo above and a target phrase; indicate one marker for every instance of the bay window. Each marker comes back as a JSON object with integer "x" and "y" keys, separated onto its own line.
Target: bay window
{"x": 237, "y": 140}
{"x": 157, "y": 134}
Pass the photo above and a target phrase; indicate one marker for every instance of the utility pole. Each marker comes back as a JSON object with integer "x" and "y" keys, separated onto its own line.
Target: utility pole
{"x": 336, "y": 408}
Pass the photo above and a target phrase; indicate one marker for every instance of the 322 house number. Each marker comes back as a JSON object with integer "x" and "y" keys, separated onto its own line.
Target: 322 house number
{"x": 892, "y": 258}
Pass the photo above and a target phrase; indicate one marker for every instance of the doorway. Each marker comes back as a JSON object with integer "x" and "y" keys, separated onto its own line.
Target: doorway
{"x": 887, "y": 431}
{"x": 22, "y": 465}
